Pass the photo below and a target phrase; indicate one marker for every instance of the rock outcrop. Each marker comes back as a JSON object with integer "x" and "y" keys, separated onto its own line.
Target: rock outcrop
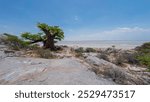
{"x": 116, "y": 73}
{"x": 66, "y": 71}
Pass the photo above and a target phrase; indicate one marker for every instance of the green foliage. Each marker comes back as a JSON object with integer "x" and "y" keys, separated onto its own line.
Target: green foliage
{"x": 50, "y": 35}
{"x": 54, "y": 31}
{"x": 33, "y": 38}
{"x": 144, "y": 60}
{"x": 144, "y": 55}
{"x": 28, "y": 35}
{"x": 146, "y": 45}
{"x": 15, "y": 42}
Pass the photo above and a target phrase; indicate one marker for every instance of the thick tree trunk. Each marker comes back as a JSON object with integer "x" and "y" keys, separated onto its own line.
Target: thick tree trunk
{"x": 49, "y": 43}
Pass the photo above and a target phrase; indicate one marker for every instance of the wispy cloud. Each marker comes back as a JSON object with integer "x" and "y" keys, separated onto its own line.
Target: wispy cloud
{"x": 76, "y": 18}
{"x": 126, "y": 30}
{"x": 120, "y": 33}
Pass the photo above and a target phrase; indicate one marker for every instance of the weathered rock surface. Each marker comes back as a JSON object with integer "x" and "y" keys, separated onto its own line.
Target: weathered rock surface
{"x": 118, "y": 74}
{"x": 17, "y": 70}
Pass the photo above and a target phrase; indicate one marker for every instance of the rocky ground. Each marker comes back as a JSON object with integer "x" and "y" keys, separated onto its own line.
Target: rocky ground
{"x": 67, "y": 68}
{"x": 64, "y": 71}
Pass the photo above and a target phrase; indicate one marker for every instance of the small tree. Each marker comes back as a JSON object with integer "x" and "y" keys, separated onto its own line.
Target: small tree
{"x": 50, "y": 35}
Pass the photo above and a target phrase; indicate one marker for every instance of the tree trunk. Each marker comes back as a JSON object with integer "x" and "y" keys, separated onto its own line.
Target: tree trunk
{"x": 49, "y": 43}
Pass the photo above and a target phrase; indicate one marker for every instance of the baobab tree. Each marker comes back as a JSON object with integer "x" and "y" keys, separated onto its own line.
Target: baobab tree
{"x": 49, "y": 36}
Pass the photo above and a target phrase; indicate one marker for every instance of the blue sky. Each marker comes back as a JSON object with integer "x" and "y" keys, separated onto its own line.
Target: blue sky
{"x": 80, "y": 19}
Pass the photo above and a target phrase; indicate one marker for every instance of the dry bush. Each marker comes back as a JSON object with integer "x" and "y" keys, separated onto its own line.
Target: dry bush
{"x": 119, "y": 60}
{"x": 115, "y": 74}
{"x": 78, "y": 55}
{"x": 33, "y": 47}
{"x": 103, "y": 56}
{"x": 119, "y": 75}
{"x": 130, "y": 58}
{"x": 111, "y": 50}
{"x": 90, "y": 50}
{"x": 79, "y": 50}
{"x": 45, "y": 53}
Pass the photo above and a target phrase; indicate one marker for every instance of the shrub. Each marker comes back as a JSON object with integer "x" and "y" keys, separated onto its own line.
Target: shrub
{"x": 79, "y": 50}
{"x": 103, "y": 56}
{"x": 90, "y": 50}
{"x": 14, "y": 42}
{"x": 116, "y": 74}
{"x": 119, "y": 61}
{"x": 144, "y": 60}
{"x": 145, "y": 45}
{"x": 130, "y": 58}
{"x": 111, "y": 50}
{"x": 78, "y": 55}
{"x": 144, "y": 55}
{"x": 45, "y": 53}
{"x": 33, "y": 47}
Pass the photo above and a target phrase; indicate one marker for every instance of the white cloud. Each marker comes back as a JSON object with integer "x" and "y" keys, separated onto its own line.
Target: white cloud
{"x": 126, "y": 30}
{"x": 120, "y": 33}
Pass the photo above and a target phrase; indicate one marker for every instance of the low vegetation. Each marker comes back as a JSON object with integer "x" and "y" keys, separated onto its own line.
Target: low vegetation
{"x": 45, "y": 53}
{"x": 117, "y": 75}
{"x": 103, "y": 56}
{"x": 15, "y": 42}
{"x": 144, "y": 55}
{"x": 79, "y": 50}
{"x": 88, "y": 50}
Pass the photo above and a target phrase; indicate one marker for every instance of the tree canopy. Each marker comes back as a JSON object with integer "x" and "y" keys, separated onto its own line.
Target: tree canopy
{"x": 54, "y": 31}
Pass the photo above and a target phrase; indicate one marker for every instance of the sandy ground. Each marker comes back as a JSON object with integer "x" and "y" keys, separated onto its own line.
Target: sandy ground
{"x": 103, "y": 44}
